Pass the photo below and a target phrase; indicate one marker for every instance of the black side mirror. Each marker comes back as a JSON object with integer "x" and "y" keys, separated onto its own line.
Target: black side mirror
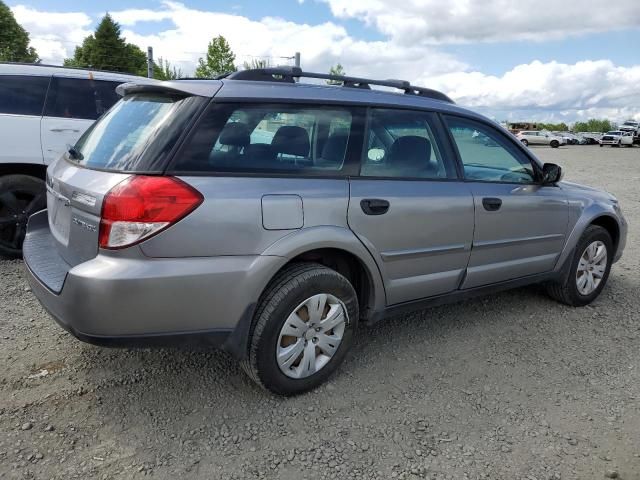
{"x": 551, "y": 173}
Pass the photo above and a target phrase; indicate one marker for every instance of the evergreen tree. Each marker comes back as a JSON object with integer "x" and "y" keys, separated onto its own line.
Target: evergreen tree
{"x": 336, "y": 70}
{"x": 14, "y": 40}
{"x": 220, "y": 59}
{"x": 106, "y": 49}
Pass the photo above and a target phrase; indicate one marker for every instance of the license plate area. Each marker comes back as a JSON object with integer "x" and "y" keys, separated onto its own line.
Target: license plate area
{"x": 59, "y": 208}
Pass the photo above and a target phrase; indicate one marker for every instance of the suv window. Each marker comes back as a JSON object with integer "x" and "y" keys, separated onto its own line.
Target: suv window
{"x": 268, "y": 138}
{"x": 80, "y": 98}
{"x": 135, "y": 134}
{"x": 401, "y": 144}
{"x": 488, "y": 155}
{"x": 22, "y": 94}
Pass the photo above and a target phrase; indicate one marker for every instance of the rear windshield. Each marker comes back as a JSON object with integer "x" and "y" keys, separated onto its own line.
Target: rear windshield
{"x": 137, "y": 134}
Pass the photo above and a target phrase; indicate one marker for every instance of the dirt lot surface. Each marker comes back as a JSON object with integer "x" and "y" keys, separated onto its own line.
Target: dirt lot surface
{"x": 513, "y": 386}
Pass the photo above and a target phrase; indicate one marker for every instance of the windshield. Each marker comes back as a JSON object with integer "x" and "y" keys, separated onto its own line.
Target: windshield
{"x": 137, "y": 134}
{"x": 614, "y": 133}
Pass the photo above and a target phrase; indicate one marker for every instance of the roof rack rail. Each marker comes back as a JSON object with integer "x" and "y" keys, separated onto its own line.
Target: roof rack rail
{"x": 289, "y": 74}
{"x": 66, "y": 67}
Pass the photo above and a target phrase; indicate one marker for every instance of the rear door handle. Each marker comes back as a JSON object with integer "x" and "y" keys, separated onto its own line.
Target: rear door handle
{"x": 374, "y": 206}
{"x": 491, "y": 204}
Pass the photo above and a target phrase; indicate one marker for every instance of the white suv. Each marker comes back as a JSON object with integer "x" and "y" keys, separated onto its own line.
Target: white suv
{"x": 42, "y": 109}
{"x": 539, "y": 138}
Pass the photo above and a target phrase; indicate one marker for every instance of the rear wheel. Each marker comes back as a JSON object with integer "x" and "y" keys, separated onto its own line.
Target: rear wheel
{"x": 554, "y": 144}
{"x": 303, "y": 328}
{"x": 525, "y": 142}
{"x": 589, "y": 269}
{"x": 20, "y": 197}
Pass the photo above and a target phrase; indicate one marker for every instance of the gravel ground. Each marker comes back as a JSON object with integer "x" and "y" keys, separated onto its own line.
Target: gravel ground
{"x": 512, "y": 386}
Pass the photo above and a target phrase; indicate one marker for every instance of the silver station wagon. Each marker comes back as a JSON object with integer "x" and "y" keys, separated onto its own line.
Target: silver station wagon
{"x": 269, "y": 217}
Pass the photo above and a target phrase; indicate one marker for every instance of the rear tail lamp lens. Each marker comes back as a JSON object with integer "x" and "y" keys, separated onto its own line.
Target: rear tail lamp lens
{"x": 142, "y": 206}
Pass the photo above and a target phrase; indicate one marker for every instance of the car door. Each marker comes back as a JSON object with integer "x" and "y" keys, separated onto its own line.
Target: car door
{"x": 408, "y": 206}
{"x": 21, "y": 102}
{"x": 72, "y": 105}
{"x": 520, "y": 224}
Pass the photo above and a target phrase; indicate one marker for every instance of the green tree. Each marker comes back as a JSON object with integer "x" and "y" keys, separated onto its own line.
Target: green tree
{"x": 337, "y": 69}
{"x": 256, "y": 63}
{"x": 219, "y": 60}
{"x": 594, "y": 125}
{"x": 106, "y": 49}
{"x": 14, "y": 40}
{"x": 163, "y": 70}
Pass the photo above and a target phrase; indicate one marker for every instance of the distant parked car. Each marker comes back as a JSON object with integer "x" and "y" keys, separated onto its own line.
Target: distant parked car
{"x": 617, "y": 138}
{"x": 42, "y": 109}
{"x": 539, "y": 138}
{"x": 633, "y": 127}
{"x": 569, "y": 138}
{"x": 592, "y": 138}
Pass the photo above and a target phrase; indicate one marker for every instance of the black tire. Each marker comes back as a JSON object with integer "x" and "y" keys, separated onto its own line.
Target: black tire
{"x": 601, "y": 145}
{"x": 20, "y": 197}
{"x": 286, "y": 291}
{"x": 567, "y": 292}
{"x": 554, "y": 144}
{"x": 525, "y": 142}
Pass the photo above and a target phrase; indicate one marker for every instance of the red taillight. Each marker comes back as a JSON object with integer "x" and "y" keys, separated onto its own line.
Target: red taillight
{"x": 142, "y": 206}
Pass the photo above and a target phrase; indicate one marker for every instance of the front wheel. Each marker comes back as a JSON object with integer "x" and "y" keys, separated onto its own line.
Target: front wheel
{"x": 588, "y": 271}
{"x": 303, "y": 328}
{"x": 525, "y": 142}
{"x": 20, "y": 197}
{"x": 554, "y": 144}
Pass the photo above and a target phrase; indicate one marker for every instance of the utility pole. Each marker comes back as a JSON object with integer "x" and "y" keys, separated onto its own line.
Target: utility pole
{"x": 150, "y": 62}
{"x": 297, "y": 59}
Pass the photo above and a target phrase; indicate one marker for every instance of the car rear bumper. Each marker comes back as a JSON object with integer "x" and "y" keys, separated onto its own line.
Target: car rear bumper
{"x": 126, "y": 299}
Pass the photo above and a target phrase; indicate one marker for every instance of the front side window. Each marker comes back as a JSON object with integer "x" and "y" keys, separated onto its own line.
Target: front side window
{"x": 487, "y": 155}
{"x": 401, "y": 144}
{"x": 268, "y": 138}
{"x": 22, "y": 94}
{"x": 80, "y": 98}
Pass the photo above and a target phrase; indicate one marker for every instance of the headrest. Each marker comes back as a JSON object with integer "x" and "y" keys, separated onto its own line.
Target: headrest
{"x": 291, "y": 140}
{"x": 335, "y": 148}
{"x": 235, "y": 134}
{"x": 411, "y": 151}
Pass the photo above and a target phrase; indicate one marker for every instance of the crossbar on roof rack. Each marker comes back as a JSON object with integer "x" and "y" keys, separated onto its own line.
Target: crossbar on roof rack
{"x": 289, "y": 74}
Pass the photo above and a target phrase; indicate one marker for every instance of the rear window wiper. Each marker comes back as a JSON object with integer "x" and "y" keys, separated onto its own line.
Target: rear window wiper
{"x": 74, "y": 153}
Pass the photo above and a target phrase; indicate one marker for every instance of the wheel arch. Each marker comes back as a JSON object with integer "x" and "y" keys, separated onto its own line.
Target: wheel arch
{"x": 600, "y": 217}
{"x": 31, "y": 169}
{"x": 340, "y": 249}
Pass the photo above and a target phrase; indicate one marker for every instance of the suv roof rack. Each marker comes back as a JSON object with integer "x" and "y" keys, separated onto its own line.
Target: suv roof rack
{"x": 289, "y": 74}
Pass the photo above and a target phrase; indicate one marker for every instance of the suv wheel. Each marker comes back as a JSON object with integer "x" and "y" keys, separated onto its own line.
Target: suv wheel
{"x": 554, "y": 144}
{"x": 589, "y": 269}
{"x": 525, "y": 142}
{"x": 20, "y": 197}
{"x": 303, "y": 328}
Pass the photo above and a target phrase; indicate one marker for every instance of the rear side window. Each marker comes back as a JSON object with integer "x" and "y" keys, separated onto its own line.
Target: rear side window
{"x": 137, "y": 134}
{"x": 402, "y": 144}
{"x": 269, "y": 138}
{"x": 22, "y": 95}
{"x": 80, "y": 98}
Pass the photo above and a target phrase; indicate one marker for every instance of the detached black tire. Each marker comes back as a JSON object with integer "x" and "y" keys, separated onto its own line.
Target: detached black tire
{"x": 570, "y": 292}
{"x": 20, "y": 197}
{"x": 276, "y": 331}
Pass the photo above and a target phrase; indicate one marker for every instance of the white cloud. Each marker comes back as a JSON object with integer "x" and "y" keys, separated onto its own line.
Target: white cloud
{"x": 537, "y": 91}
{"x": 53, "y": 34}
{"x": 461, "y": 21}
